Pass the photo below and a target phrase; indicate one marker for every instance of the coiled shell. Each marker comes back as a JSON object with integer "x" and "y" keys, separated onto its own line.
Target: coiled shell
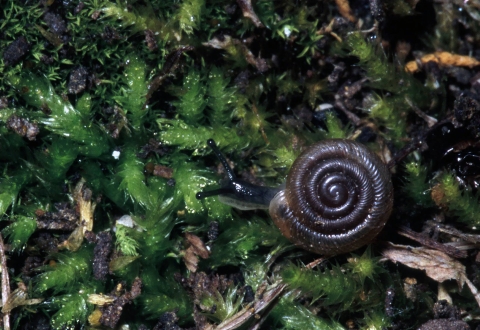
{"x": 338, "y": 197}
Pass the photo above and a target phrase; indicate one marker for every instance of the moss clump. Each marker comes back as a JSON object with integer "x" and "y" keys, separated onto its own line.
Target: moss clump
{"x": 226, "y": 305}
{"x": 70, "y": 270}
{"x": 416, "y": 185}
{"x": 384, "y": 77}
{"x": 332, "y": 286}
{"x": 242, "y": 239}
{"x": 463, "y": 204}
{"x": 63, "y": 119}
{"x": 11, "y": 187}
{"x": 20, "y": 231}
{"x": 291, "y": 315}
{"x": 72, "y": 310}
{"x": 125, "y": 242}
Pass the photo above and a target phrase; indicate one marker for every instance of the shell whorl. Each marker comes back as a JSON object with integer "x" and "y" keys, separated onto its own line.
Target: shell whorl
{"x": 338, "y": 197}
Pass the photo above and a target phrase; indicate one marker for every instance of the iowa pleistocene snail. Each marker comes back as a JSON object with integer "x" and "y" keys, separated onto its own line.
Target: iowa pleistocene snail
{"x": 337, "y": 197}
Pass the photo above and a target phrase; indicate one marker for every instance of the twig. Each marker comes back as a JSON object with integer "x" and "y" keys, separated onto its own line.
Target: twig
{"x": 5, "y": 284}
{"x": 428, "y": 242}
{"x": 350, "y": 115}
{"x": 248, "y": 12}
{"x": 473, "y": 289}
{"x": 473, "y": 239}
{"x": 428, "y": 119}
{"x": 345, "y": 10}
{"x": 253, "y": 309}
{"x": 315, "y": 263}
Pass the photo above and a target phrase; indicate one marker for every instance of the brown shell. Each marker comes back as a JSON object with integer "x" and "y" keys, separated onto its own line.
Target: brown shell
{"x": 338, "y": 197}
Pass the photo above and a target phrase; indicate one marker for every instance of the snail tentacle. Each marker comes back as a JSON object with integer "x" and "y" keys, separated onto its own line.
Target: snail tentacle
{"x": 238, "y": 193}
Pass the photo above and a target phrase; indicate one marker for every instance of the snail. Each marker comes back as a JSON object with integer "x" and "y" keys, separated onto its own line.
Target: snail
{"x": 337, "y": 197}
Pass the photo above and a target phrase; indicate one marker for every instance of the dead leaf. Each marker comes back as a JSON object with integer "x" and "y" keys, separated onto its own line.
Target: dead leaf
{"x": 74, "y": 241}
{"x": 438, "y": 265}
{"x": 163, "y": 171}
{"x": 247, "y": 10}
{"x": 196, "y": 248}
{"x": 83, "y": 197}
{"x": 19, "y": 297}
{"x": 233, "y": 47}
{"x": 100, "y": 299}
{"x": 86, "y": 208}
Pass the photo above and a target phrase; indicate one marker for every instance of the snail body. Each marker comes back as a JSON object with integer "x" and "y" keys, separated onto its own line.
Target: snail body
{"x": 337, "y": 198}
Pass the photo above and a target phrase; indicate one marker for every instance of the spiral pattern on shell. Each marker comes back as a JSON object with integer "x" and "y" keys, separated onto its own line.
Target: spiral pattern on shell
{"x": 338, "y": 197}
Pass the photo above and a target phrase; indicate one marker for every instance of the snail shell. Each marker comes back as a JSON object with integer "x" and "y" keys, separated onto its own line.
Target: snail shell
{"x": 338, "y": 197}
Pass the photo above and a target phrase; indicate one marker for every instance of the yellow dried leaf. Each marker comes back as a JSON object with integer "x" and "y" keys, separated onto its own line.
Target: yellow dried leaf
{"x": 443, "y": 59}
{"x": 100, "y": 299}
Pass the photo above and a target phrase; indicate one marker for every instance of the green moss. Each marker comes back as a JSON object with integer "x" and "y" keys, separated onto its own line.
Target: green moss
{"x": 387, "y": 112}
{"x": 445, "y": 37}
{"x": 72, "y": 310}
{"x": 365, "y": 266}
{"x": 189, "y": 181}
{"x": 188, "y": 14}
{"x": 376, "y": 320}
{"x": 158, "y": 223}
{"x": 385, "y": 77}
{"x": 20, "y": 231}
{"x": 125, "y": 242}
{"x": 177, "y": 132}
{"x": 241, "y": 239}
{"x": 399, "y": 7}
{"x": 358, "y": 286}
{"x": 382, "y": 75}
{"x": 283, "y": 158}
{"x": 332, "y": 286}
{"x": 103, "y": 181}
{"x": 57, "y": 158}
{"x": 157, "y": 304}
{"x": 132, "y": 97}
{"x": 309, "y": 43}
{"x": 335, "y": 129}
{"x": 291, "y": 315}
{"x": 463, "y": 204}
{"x": 416, "y": 185}
{"x": 139, "y": 18}
{"x": 221, "y": 98}
{"x": 163, "y": 294}
{"x": 69, "y": 271}
{"x": 286, "y": 84}
{"x": 10, "y": 187}
{"x": 192, "y": 99}
{"x": 226, "y": 305}
{"x": 13, "y": 145}
{"x": 62, "y": 119}
{"x": 132, "y": 179}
